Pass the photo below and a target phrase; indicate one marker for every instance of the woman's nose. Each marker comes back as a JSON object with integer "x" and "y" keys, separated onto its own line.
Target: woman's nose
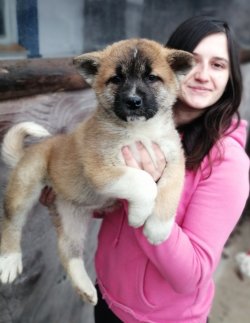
{"x": 202, "y": 73}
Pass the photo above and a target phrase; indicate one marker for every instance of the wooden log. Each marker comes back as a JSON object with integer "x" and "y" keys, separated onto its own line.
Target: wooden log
{"x": 35, "y": 76}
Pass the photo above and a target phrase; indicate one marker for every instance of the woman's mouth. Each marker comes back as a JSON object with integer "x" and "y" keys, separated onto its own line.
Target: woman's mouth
{"x": 199, "y": 89}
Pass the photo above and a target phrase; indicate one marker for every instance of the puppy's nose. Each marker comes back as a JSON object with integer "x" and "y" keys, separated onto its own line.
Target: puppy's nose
{"x": 134, "y": 102}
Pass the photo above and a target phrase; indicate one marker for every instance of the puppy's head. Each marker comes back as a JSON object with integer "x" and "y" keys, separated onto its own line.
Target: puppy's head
{"x": 135, "y": 79}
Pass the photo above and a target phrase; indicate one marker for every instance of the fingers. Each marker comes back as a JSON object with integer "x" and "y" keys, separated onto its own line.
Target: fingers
{"x": 154, "y": 168}
{"x": 147, "y": 163}
{"x": 129, "y": 158}
{"x": 160, "y": 158}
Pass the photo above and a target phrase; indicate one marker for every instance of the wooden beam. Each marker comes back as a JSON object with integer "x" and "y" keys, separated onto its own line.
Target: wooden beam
{"x": 36, "y": 76}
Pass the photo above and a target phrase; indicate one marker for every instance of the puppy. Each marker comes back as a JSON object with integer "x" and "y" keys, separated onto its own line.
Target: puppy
{"x": 136, "y": 83}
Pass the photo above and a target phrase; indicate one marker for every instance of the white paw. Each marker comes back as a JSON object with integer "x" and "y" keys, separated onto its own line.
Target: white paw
{"x": 141, "y": 192}
{"x": 137, "y": 215}
{"x": 81, "y": 281}
{"x": 243, "y": 262}
{"x": 10, "y": 267}
{"x": 88, "y": 293}
{"x": 157, "y": 230}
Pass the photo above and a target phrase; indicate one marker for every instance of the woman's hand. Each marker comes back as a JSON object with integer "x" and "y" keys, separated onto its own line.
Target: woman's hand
{"x": 145, "y": 161}
{"x": 47, "y": 197}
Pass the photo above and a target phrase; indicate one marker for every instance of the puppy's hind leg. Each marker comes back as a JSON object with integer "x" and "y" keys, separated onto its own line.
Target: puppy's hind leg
{"x": 71, "y": 223}
{"x": 21, "y": 194}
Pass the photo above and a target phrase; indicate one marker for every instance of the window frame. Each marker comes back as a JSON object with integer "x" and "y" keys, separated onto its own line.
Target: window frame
{"x": 10, "y": 23}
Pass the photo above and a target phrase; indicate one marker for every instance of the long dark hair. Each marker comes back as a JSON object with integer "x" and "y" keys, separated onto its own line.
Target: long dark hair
{"x": 202, "y": 133}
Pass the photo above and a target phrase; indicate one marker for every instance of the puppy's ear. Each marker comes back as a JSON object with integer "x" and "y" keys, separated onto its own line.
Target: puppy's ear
{"x": 180, "y": 61}
{"x": 88, "y": 65}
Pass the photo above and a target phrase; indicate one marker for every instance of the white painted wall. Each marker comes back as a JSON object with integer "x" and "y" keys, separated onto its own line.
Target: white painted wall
{"x": 60, "y": 27}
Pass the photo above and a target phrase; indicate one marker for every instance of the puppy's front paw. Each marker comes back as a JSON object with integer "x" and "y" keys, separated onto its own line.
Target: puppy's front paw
{"x": 138, "y": 215}
{"x": 10, "y": 267}
{"x": 157, "y": 230}
{"x": 142, "y": 191}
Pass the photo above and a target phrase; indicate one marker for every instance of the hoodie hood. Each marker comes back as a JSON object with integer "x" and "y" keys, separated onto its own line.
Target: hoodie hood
{"x": 239, "y": 134}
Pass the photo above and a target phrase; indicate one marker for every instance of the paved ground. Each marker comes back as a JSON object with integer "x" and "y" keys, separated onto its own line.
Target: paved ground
{"x": 232, "y": 299}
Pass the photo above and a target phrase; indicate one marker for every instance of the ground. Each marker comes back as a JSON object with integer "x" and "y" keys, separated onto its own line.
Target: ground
{"x": 232, "y": 298}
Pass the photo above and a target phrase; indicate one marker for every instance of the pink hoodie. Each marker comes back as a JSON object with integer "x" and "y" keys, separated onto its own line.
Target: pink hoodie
{"x": 173, "y": 281}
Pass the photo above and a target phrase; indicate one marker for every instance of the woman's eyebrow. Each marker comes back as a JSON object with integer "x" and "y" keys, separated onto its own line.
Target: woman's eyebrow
{"x": 214, "y": 57}
{"x": 221, "y": 59}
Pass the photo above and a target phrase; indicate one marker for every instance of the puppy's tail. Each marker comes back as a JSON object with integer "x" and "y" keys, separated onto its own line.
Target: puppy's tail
{"x": 12, "y": 147}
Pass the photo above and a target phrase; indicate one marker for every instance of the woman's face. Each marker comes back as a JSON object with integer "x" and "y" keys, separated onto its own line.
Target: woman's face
{"x": 206, "y": 82}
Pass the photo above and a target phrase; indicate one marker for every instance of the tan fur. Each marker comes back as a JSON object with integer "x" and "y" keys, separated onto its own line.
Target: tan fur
{"x": 86, "y": 169}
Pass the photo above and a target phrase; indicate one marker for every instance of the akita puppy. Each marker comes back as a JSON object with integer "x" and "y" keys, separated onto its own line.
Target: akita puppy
{"x": 136, "y": 83}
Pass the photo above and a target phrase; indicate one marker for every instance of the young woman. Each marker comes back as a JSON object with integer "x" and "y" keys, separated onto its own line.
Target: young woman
{"x": 173, "y": 282}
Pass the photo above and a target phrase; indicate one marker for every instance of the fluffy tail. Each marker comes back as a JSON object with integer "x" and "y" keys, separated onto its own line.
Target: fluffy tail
{"x": 12, "y": 147}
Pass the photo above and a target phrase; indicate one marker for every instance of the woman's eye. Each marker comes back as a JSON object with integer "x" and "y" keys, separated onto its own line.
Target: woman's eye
{"x": 153, "y": 78}
{"x": 219, "y": 66}
{"x": 116, "y": 79}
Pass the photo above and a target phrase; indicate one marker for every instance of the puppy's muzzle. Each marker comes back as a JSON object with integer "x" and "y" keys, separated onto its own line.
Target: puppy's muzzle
{"x": 132, "y": 107}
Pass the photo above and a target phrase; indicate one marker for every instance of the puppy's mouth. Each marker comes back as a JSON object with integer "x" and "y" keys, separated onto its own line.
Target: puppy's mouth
{"x": 135, "y": 118}
{"x": 128, "y": 115}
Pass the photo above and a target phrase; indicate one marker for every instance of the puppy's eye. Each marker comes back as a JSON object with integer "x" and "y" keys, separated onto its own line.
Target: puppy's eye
{"x": 153, "y": 78}
{"x": 116, "y": 79}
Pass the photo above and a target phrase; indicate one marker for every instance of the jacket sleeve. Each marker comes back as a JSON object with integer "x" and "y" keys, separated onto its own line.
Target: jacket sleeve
{"x": 190, "y": 255}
